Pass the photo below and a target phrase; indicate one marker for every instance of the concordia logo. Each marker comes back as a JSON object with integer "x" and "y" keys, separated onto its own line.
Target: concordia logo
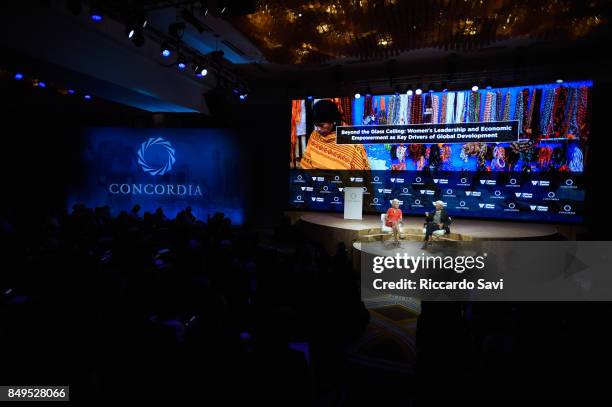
{"x": 161, "y": 168}
{"x": 148, "y": 158}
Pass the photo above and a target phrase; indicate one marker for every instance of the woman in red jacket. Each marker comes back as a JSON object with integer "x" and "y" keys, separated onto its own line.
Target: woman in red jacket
{"x": 394, "y": 219}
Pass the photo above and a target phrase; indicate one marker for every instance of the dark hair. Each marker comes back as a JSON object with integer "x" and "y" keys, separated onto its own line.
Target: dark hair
{"x": 325, "y": 111}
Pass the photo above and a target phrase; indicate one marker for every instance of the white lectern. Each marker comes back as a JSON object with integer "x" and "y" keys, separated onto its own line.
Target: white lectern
{"x": 353, "y": 202}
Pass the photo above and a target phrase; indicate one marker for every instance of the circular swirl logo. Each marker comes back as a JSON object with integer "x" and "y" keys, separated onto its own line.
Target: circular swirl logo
{"x": 156, "y": 156}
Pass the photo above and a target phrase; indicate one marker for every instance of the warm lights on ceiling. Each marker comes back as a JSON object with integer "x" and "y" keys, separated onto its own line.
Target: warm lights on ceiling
{"x": 337, "y": 28}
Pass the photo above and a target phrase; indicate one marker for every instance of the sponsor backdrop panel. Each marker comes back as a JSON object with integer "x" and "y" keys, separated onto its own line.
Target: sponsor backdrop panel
{"x": 555, "y": 197}
{"x": 161, "y": 168}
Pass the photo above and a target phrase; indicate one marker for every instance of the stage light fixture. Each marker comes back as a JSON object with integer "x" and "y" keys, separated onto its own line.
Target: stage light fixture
{"x": 70, "y": 91}
{"x": 357, "y": 95}
{"x": 559, "y": 80}
{"x": 41, "y": 84}
{"x": 309, "y": 97}
{"x": 418, "y": 91}
{"x": 243, "y": 96}
{"x": 165, "y": 51}
{"x": 96, "y": 15}
{"x": 18, "y": 76}
{"x": 474, "y": 88}
{"x": 87, "y": 97}
{"x": 135, "y": 35}
{"x": 181, "y": 62}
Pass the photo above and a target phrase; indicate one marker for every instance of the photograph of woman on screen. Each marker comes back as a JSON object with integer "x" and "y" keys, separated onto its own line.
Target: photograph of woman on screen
{"x": 322, "y": 152}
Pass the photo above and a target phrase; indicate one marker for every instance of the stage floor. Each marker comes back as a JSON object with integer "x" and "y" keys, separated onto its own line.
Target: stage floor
{"x": 468, "y": 228}
{"x": 331, "y": 228}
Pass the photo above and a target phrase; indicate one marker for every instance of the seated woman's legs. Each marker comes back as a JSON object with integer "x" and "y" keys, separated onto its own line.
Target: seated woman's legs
{"x": 396, "y": 231}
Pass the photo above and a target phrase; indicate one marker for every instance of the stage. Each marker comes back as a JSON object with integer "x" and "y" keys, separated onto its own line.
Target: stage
{"x": 331, "y": 228}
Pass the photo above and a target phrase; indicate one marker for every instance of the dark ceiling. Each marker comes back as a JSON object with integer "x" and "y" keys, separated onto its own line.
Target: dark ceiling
{"x": 314, "y": 32}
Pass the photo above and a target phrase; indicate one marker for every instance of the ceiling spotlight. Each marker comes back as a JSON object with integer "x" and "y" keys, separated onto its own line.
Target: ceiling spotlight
{"x": 181, "y": 62}
{"x": 309, "y": 97}
{"x": 165, "y": 51}
{"x": 40, "y": 84}
{"x": 203, "y": 72}
{"x": 71, "y": 91}
{"x": 96, "y": 15}
{"x": 18, "y": 76}
{"x": 474, "y": 88}
{"x": 135, "y": 35}
{"x": 559, "y": 80}
{"x": 357, "y": 95}
{"x": 418, "y": 91}
{"x": 243, "y": 96}
{"x": 87, "y": 97}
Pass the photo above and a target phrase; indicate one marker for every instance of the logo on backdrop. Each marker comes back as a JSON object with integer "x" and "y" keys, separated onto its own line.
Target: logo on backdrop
{"x": 156, "y": 156}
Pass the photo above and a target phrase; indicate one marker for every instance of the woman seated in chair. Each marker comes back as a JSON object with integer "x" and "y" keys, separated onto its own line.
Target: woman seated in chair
{"x": 436, "y": 221}
{"x": 394, "y": 219}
